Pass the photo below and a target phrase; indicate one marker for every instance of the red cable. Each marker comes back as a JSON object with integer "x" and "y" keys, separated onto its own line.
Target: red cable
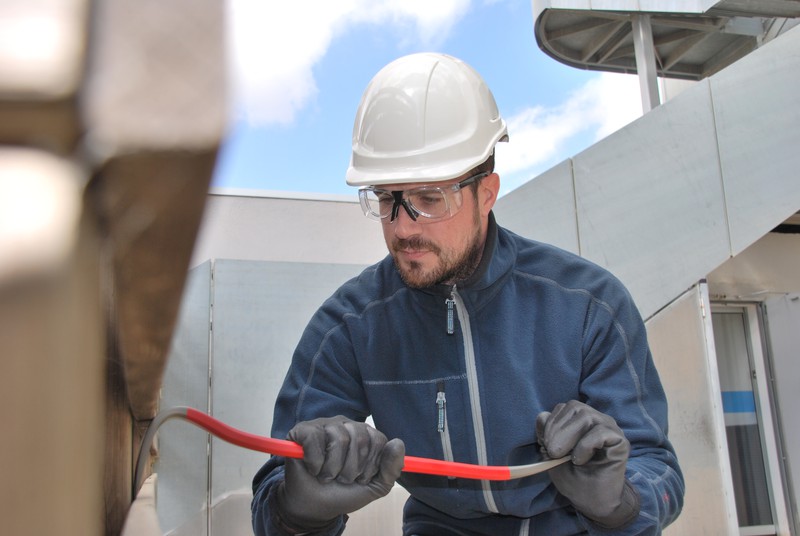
{"x": 290, "y": 449}
{"x": 278, "y": 447}
{"x": 429, "y": 466}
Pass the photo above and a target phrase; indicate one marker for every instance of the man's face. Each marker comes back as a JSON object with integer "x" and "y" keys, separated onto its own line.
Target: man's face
{"x": 441, "y": 251}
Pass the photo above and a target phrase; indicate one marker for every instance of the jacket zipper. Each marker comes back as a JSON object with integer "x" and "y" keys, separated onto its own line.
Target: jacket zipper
{"x": 441, "y": 422}
{"x": 440, "y": 402}
{"x": 451, "y": 302}
{"x": 474, "y": 394}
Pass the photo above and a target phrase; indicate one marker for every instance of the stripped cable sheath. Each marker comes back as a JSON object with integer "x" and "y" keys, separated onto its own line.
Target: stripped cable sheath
{"x": 290, "y": 449}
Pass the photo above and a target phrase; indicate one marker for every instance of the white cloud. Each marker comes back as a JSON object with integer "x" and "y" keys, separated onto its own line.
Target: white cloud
{"x": 431, "y": 21}
{"x": 539, "y": 136}
{"x": 613, "y": 101}
{"x": 273, "y": 46}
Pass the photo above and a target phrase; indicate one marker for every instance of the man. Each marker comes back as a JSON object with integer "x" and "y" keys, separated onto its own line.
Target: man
{"x": 466, "y": 343}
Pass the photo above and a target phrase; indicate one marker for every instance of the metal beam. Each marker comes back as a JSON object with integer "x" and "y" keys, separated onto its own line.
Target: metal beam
{"x": 645, "y": 60}
{"x": 599, "y": 41}
{"x": 734, "y": 51}
{"x": 686, "y": 44}
{"x": 610, "y": 46}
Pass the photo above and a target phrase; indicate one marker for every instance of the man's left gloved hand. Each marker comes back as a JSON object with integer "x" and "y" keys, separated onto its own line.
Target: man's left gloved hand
{"x": 595, "y": 481}
{"x": 345, "y": 466}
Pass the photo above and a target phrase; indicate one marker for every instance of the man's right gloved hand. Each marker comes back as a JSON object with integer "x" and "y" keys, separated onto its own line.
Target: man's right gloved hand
{"x": 595, "y": 481}
{"x": 346, "y": 465}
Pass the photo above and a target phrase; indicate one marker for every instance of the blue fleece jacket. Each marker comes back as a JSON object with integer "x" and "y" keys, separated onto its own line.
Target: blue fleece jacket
{"x": 460, "y": 373}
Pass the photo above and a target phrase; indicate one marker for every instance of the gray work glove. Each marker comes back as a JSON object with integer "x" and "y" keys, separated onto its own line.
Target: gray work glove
{"x": 595, "y": 481}
{"x": 346, "y": 465}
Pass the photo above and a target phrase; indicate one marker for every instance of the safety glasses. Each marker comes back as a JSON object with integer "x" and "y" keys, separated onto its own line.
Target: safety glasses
{"x": 425, "y": 204}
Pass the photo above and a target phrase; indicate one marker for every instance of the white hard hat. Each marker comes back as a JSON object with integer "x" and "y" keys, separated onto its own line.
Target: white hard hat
{"x": 423, "y": 118}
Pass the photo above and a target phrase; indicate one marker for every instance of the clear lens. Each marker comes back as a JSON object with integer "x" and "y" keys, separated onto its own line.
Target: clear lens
{"x": 433, "y": 203}
{"x": 429, "y": 202}
{"x": 376, "y": 204}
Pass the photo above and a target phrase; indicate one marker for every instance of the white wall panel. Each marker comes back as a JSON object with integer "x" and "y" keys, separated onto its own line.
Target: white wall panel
{"x": 182, "y": 462}
{"x": 650, "y": 200}
{"x": 260, "y": 311}
{"x": 543, "y": 209}
{"x": 679, "y": 339}
{"x": 268, "y": 226}
{"x": 757, "y": 112}
{"x": 783, "y": 313}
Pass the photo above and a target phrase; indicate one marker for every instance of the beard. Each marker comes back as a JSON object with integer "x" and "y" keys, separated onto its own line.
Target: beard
{"x": 453, "y": 266}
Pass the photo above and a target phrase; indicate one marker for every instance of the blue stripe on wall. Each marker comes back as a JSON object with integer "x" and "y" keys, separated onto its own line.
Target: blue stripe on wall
{"x": 738, "y": 402}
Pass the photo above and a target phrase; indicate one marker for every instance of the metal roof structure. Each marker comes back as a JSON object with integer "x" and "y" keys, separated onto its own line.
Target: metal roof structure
{"x": 692, "y": 39}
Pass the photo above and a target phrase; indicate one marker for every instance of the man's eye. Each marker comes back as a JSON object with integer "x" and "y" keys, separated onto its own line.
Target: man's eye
{"x": 425, "y": 200}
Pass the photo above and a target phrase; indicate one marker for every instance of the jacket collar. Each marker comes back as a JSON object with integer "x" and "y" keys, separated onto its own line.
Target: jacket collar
{"x": 486, "y": 257}
{"x": 496, "y": 261}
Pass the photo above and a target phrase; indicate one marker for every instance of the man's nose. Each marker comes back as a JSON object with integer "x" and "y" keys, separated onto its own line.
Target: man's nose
{"x": 403, "y": 225}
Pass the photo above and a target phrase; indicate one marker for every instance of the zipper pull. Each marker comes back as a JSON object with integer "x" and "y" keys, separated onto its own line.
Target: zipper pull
{"x": 440, "y": 402}
{"x": 451, "y": 303}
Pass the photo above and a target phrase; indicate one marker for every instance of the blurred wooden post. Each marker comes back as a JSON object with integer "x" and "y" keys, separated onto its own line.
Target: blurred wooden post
{"x": 111, "y": 115}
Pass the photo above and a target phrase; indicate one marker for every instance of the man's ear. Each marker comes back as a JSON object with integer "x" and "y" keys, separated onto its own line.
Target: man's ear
{"x": 488, "y": 188}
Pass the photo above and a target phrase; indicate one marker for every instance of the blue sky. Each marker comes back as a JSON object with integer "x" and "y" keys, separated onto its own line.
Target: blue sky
{"x": 298, "y": 69}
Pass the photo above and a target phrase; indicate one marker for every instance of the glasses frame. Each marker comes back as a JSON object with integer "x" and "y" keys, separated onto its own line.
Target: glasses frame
{"x": 400, "y": 198}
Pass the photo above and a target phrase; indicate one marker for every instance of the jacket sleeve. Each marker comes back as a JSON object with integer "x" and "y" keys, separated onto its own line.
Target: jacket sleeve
{"x": 264, "y": 484}
{"x": 620, "y": 379}
{"x": 322, "y": 381}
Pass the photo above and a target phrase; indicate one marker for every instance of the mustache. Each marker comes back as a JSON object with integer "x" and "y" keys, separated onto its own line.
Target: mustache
{"x": 415, "y": 242}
